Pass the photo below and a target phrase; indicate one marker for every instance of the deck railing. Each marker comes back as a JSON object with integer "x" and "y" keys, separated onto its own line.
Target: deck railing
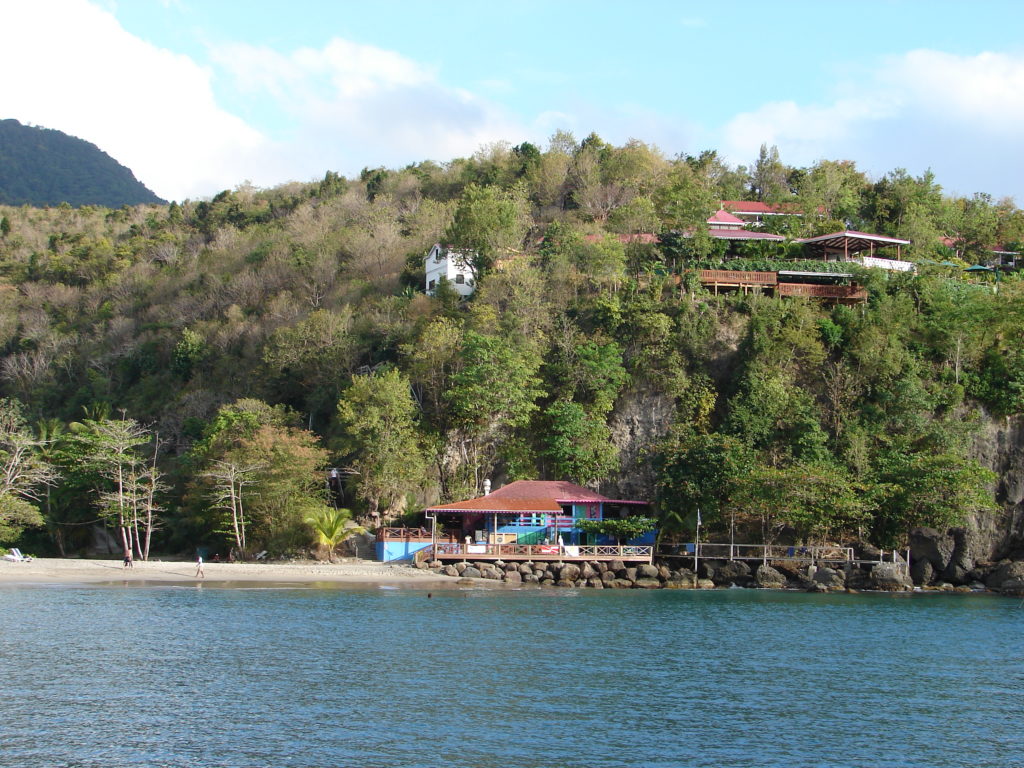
{"x": 737, "y": 277}
{"x": 451, "y": 550}
{"x": 762, "y": 552}
{"x": 822, "y": 291}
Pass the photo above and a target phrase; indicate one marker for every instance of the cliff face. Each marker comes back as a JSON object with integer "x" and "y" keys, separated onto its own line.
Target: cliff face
{"x": 999, "y": 446}
{"x": 642, "y": 418}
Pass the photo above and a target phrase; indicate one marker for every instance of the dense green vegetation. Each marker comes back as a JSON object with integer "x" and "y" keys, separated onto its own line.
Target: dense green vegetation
{"x": 41, "y": 166}
{"x": 191, "y": 371}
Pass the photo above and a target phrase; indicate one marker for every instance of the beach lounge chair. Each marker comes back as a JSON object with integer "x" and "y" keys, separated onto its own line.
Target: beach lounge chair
{"x": 15, "y": 556}
{"x": 261, "y": 555}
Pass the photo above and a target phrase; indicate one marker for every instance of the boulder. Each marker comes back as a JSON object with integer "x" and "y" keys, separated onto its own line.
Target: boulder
{"x": 565, "y": 583}
{"x": 421, "y": 565}
{"x": 732, "y": 572}
{"x": 513, "y": 577}
{"x": 705, "y": 584}
{"x": 647, "y": 571}
{"x": 922, "y": 572}
{"x": 931, "y": 545}
{"x": 621, "y": 584}
{"x": 526, "y": 568}
{"x": 491, "y": 572}
{"x": 830, "y": 577}
{"x": 1003, "y": 574}
{"x": 509, "y": 567}
{"x": 664, "y": 572}
{"x": 607, "y": 577}
{"x": 890, "y": 577}
{"x": 530, "y": 578}
{"x": 767, "y": 577}
{"x": 631, "y": 573}
{"x": 594, "y": 582}
{"x": 460, "y": 567}
{"x": 587, "y": 571}
{"x": 541, "y": 573}
{"x": 616, "y": 565}
{"x": 600, "y": 566}
{"x": 471, "y": 572}
{"x": 450, "y": 570}
{"x": 868, "y": 552}
{"x": 961, "y": 562}
{"x": 569, "y": 572}
{"x": 547, "y": 581}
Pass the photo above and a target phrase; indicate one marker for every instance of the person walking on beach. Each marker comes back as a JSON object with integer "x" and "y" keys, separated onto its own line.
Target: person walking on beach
{"x": 128, "y": 559}
{"x": 199, "y": 568}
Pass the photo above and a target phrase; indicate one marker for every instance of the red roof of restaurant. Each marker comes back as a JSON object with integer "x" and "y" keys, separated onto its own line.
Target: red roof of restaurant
{"x": 724, "y": 217}
{"x": 753, "y": 206}
{"x": 529, "y": 496}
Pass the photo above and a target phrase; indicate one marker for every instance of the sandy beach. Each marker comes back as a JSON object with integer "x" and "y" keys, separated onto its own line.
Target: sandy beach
{"x": 74, "y": 571}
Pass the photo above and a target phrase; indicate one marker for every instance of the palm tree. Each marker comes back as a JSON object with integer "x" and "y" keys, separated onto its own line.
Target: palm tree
{"x": 332, "y": 527}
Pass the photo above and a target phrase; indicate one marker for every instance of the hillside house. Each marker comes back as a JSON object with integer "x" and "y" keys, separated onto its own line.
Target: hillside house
{"x": 443, "y": 263}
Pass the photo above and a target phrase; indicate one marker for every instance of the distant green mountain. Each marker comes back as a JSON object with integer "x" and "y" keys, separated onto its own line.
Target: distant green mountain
{"x": 40, "y": 166}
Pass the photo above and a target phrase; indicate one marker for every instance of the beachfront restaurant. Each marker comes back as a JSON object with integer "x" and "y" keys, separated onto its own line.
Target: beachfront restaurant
{"x": 524, "y": 520}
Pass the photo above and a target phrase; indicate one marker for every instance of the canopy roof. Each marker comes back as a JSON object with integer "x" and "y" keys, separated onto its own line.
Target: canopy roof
{"x": 741, "y": 234}
{"x": 849, "y": 241}
{"x": 529, "y": 496}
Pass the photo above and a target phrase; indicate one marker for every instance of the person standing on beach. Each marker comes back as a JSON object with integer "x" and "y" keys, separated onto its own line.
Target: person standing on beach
{"x": 128, "y": 559}
{"x": 199, "y": 568}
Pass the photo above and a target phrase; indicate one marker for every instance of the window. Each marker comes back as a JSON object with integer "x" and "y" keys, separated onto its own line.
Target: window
{"x": 431, "y": 285}
{"x": 460, "y": 279}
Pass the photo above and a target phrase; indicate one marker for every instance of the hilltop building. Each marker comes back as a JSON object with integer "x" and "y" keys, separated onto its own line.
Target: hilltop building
{"x": 443, "y": 263}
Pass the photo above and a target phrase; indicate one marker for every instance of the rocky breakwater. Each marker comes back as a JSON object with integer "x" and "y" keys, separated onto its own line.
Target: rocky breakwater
{"x": 956, "y": 559}
{"x": 712, "y": 574}
{"x": 613, "y": 574}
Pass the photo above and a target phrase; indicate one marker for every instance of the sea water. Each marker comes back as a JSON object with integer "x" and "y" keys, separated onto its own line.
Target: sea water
{"x": 331, "y": 676}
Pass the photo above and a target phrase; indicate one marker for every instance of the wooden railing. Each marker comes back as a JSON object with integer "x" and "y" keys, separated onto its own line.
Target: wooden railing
{"x": 737, "y": 277}
{"x": 822, "y": 291}
{"x": 451, "y": 550}
{"x": 763, "y": 552}
{"x": 403, "y": 534}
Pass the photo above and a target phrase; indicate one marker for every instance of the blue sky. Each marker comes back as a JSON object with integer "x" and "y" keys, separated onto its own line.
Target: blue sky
{"x": 201, "y": 95}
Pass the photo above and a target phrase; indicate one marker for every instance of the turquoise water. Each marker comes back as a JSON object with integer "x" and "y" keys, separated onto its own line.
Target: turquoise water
{"x": 200, "y": 676}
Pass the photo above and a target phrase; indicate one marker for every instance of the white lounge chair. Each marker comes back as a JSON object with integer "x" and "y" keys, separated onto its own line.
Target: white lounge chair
{"x": 15, "y": 556}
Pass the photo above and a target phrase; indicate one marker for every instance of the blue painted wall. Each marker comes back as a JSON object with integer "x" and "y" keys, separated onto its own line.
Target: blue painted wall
{"x": 389, "y": 551}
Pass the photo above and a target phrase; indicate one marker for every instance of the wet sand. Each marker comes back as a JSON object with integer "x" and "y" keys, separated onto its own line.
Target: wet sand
{"x": 74, "y": 571}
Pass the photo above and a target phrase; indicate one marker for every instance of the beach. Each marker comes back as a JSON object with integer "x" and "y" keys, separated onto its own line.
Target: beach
{"x": 79, "y": 571}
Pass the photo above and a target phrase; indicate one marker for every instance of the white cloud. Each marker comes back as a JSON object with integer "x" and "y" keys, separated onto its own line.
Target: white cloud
{"x": 961, "y": 116}
{"x": 152, "y": 110}
{"x": 350, "y": 105}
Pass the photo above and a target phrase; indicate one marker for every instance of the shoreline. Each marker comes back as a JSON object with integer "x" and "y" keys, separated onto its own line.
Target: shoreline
{"x": 57, "y": 571}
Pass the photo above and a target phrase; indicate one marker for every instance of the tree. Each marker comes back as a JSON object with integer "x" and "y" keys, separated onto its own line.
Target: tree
{"x": 110, "y": 446}
{"x": 577, "y": 444}
{"x": 768, "y": 181}
{"x": 494, "y": 393}
{"x": 488, "y": 222}
{"x": 23, "y": 473}
{"x": 623, "y": 530}
{"x": 379, "y": 437}
{"x": 333, "y": 527}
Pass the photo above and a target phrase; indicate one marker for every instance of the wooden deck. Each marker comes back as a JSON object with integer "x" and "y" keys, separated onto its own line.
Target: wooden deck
{"x": 768, "y": 282}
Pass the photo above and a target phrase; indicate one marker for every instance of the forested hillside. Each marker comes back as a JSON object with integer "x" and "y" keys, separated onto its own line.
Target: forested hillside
{"x": 41, "y": 166}
{"x": 204, "y": 364}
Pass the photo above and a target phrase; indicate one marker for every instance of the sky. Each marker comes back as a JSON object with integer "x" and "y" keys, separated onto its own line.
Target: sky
{"x": 197, "y": 96}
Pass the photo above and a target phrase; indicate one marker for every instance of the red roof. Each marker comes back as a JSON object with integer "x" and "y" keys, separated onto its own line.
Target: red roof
{"x": 753, "y": 206}
{"x": 724, "y": 217}
{"x": 529, "y": 496}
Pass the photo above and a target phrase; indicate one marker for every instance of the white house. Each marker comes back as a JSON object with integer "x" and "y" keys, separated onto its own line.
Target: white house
{"x": 453, "y": 265}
